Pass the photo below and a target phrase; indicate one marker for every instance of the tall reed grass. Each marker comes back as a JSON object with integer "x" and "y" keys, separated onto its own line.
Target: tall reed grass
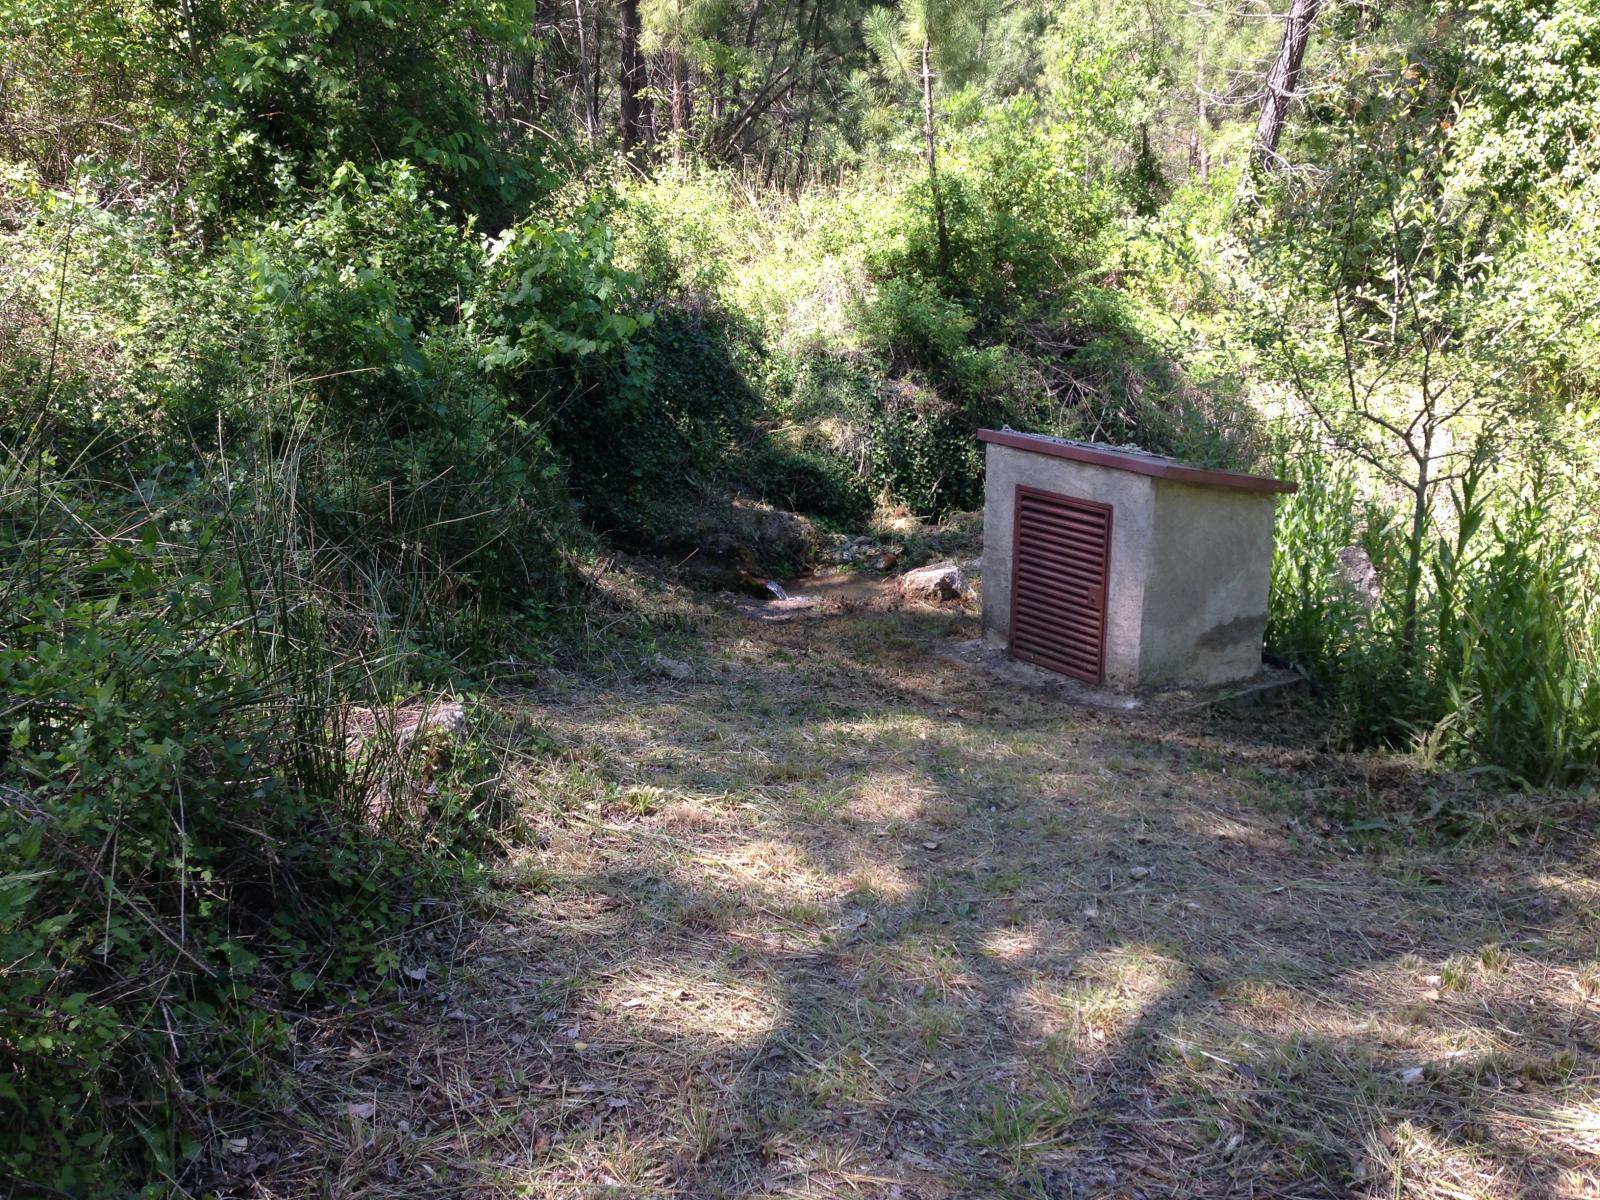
{"x": 1504, "y": 671}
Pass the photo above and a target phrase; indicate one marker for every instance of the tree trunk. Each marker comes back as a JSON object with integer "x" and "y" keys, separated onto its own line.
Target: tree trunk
{"x": 1421, "y": 507}
{"x": 815, "y": 40}
{"x": 632, "y": 80}
{"x": 1282, "y": 81}
{"x": 539, "y": 69}
{"x": 1199, "y": 156}
{"x": 587, "y": 84}
{"x": 678, "y": 65}
{"x": 595, "y": 65}
{"x": 941, "y": 230}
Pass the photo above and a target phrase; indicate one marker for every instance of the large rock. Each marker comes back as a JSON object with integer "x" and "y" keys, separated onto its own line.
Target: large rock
{"x": 1359, "y": 577}
{"x": 937, "y": 582}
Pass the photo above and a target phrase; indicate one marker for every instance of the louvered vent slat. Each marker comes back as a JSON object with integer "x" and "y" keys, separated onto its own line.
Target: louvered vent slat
{"x": 1061, "y": 568}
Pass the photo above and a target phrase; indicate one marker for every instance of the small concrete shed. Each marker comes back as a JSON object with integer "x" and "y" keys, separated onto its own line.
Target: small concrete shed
{"x": 1124, "y": 568}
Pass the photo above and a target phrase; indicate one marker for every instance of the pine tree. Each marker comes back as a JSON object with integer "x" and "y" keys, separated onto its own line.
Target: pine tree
{"x": 1282, "y": 82}
{"x": 679, "y": 30}
{"x": 914, "y": 45}
{"x": 633, "y": 103}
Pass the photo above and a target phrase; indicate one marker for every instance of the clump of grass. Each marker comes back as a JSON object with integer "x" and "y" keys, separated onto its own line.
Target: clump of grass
{"x": 1494, "y": 959}
{"x": 1019, "y": 1125}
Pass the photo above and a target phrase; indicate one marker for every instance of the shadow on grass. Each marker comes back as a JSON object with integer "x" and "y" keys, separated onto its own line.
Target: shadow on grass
{"x": 834, "y": 917}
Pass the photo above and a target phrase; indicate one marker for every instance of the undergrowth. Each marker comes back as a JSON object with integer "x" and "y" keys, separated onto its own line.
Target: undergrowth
{"x": 206, "y": 818}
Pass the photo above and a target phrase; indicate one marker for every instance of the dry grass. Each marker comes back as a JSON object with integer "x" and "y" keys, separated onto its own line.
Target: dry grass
{"x": 833, "y": 917}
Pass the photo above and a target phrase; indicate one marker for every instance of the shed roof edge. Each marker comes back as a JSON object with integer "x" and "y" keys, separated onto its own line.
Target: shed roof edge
{"x": 1136, "y": 463}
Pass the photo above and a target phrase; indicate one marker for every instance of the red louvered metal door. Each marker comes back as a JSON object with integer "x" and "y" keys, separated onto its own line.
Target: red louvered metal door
{"x": 1060, "y": 571}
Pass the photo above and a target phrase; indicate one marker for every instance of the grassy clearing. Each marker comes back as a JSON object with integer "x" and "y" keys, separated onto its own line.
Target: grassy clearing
{"x": 833, "y": 916}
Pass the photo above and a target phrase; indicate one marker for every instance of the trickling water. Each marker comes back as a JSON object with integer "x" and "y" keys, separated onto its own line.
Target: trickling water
{"x": 776, "y": 590}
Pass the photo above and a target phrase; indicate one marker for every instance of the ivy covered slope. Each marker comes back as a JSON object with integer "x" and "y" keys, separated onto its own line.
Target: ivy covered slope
{"x": 343, "y": 342}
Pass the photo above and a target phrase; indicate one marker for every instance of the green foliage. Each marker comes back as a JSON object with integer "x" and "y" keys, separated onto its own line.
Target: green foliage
{"x": 1022, "y": 224}
{"x": 670, "y": 430}
{"x": 1538, "y": 101}
{"x": 1316, "y": 613}
{"x": 1413, "y": 302}
{"x": 552, "y": 291}
{"x": 236, "y": 102}
{"x": 810, "y": 477}
{"x": 185, "y": 839}
{"x": 924, "y": 450}
{"x": 1524, "y": 691}
{"x": 1504, "y": 668}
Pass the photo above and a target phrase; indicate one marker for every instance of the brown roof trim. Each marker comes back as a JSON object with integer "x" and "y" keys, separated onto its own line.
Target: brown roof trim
{"x": 1139, "y": 464}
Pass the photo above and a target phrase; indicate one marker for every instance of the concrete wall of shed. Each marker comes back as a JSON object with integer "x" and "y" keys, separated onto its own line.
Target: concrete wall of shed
{"x": 1132, "y": 500}
{"x": 1205, "y": 603}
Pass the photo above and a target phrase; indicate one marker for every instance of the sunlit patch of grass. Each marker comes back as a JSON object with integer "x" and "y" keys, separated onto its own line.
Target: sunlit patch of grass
{"x": 1410, "y": 1159}
{"x": 873, "y": 882}
{"x": 601, "y": 1158}
{"x": 1456, "y": 975}
{"x": 569, "y": 787}
{"x": 1009, "y": 945}
{"x": 693, "y": 814}
{"x": 778, "y": 869}
{"x": 892, "y": 797}
{"x": 935, "y": 967}
{"x": 1109, "y": 991}
{"x": 706, "y": 1010}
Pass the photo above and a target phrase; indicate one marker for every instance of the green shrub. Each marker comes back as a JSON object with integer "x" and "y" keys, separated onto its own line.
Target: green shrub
{"x": 1022, "y": 223}
{"x": 231, "y": 108}
{"x": 1315, "y": 614}
{"x": 648, "y": 439}
{"x": 552, "y": 291}
{"x": 1522, "y": 683}
{"x": 811, "y": 478}
{"x": 186, "y": 840}
{"x": 1502, "y": 668}
{"x": 924, "y": 450}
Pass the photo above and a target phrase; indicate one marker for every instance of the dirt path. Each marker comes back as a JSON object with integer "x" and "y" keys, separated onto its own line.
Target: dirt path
{"x": 832, "y": 916}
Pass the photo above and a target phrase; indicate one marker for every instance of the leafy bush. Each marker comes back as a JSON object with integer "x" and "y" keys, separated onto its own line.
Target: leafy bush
{"x": 1022, "y": 223}
{"x": 553, "y": 291}
{"x": 235, "y": 106}
{"x": 186, "y": 838}
{"x": 809, "y": 477}
{"x": 672, "y": 414}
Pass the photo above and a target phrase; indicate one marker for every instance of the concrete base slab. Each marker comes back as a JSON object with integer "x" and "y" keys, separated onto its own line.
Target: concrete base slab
{"x": 985, "y": 656}
{"x": 1271, "y": 685}
{"x": 1274, "y": 685}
